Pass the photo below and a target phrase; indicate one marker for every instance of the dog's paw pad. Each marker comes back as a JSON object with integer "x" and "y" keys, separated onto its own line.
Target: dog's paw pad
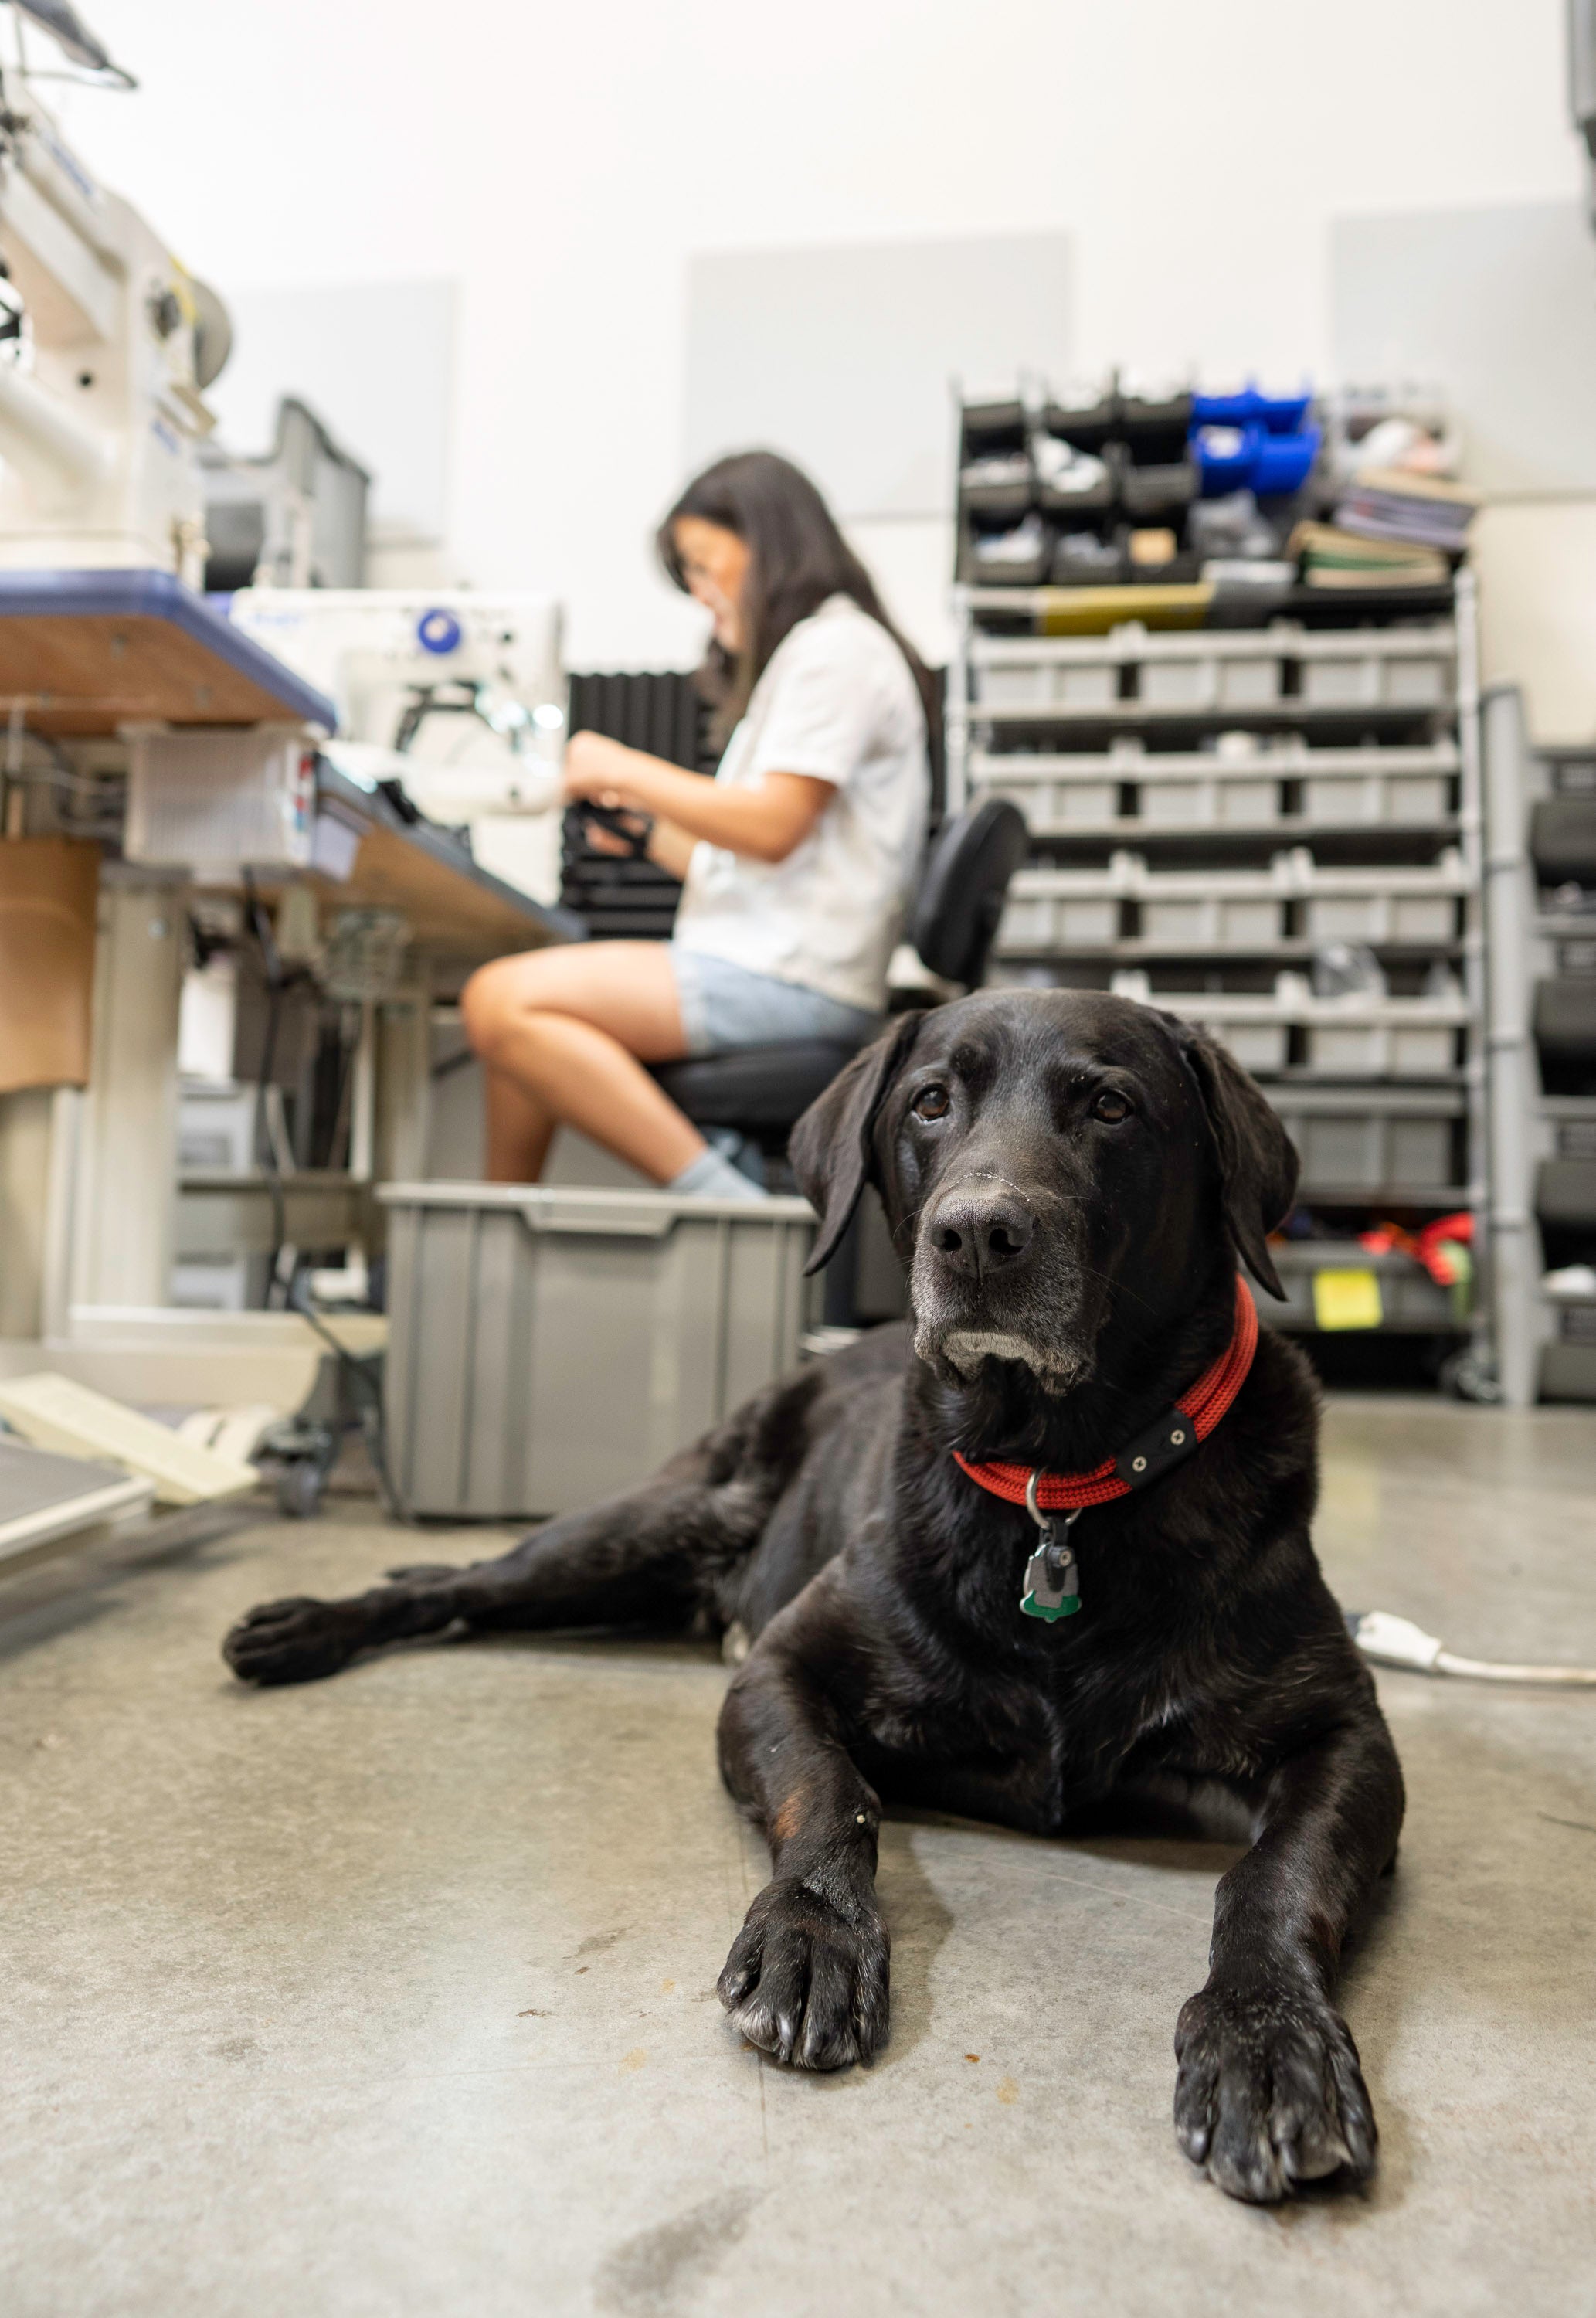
{"x": 806, "y": 1984}
{"x": 1269, "y": 2092}
{"x": 300, "y": 1640}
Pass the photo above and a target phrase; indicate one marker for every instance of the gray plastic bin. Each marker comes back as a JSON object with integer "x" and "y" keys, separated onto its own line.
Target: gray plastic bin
{"x": 549, "y": 1347}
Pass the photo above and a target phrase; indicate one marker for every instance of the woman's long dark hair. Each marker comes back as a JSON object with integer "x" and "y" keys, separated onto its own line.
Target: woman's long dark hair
{"x": 797, "y": 557}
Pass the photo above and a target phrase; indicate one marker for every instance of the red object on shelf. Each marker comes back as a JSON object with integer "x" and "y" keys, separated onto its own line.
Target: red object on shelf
{"x": 1428, "y": 1248}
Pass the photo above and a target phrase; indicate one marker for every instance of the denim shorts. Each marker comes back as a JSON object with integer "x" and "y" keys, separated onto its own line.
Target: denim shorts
{"x": 724, "y": 1005}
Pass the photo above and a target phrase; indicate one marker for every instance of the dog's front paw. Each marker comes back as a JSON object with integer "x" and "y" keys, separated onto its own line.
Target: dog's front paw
{"x": 297, "y": 1641}
{"x": 806, "y": 1983}
{"x": 1269, "y": 2092}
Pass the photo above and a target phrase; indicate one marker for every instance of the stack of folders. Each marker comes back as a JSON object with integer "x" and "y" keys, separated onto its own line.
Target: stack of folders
{"x": 1388, "y": 503}
{"x": 1332, "y": 557}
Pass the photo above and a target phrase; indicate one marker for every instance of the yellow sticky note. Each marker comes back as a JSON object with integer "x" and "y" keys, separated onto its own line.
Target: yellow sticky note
{"x": 1347, "y": 1299}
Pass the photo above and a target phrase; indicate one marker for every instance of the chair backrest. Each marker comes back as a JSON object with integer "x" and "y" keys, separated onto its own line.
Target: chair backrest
{"x": 961, "y": 895}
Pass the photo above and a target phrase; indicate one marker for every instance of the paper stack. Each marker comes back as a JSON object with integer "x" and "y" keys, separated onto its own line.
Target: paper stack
{"x": 1390, "y": 503}
{"x": 1332, "y": 557}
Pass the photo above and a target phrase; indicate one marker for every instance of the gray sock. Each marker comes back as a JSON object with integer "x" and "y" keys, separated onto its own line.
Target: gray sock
{"x": 711, "y": 1177}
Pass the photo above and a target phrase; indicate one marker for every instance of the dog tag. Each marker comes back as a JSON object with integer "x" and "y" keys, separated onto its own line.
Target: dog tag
{"x": 1052, "y": 1589}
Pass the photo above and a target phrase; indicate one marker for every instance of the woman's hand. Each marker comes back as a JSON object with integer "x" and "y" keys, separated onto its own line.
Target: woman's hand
{"x": 595, "y": 770}
{"x": 601, "y": 839}
{"x": 763, "y": 821}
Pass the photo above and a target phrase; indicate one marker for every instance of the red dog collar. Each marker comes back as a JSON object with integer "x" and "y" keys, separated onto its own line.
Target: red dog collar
{"x": 1152, "y": 1453}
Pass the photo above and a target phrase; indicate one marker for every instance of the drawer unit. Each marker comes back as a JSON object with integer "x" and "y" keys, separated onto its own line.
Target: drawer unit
{"x": 1382, "y": 1049}
{"x": 1409, "y": 669}
{"x": 1212, "y": 921}
{"x": 1085, "y": 684}
{"x": 1056, "y": 804}
{"x": 1081, "y": 801}
{"x": 1361, "y": 1141}
{"x": 1353, "y": 682}
{"x": 1382, "y": 918}
{"x": 1256, "y": 1046}
{"x": 1054, "y": 922}
{"x": 1212, "y": 800}
{"x": 1021, "y": 676}
{"x": 1332, "y": 788}
{"x": 1178, "y": 684}
{"x": 1024, "y": 684}
{"x": 1346, "y": 800}
{"x": 1568, "y": 1370}
{"x": 1232, "y": 909}
{"x": 1423, "y": 682}
{"x": 1382, "y": 1038}
{"x": 1410, "y": 1300}
{"x": 1256, "y": 681}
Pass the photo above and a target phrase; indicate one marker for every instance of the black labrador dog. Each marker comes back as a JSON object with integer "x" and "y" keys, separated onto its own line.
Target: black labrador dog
{"x": 1070, "y": 1177}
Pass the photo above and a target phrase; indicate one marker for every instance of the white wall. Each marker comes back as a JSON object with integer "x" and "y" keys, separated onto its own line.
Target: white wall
{"x": 563, "y": 162}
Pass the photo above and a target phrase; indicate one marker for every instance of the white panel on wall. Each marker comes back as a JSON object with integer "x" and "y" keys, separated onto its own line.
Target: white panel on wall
{"x": 844, "y": 358}
{"x": 1536, "y": 563}
{"x": 911, "y": 564}
{"x": 374, "y": 360}
{"x": 1496, "y": 306}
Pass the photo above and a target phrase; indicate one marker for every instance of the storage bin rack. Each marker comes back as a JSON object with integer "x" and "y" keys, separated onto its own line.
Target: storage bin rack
{"x": 1211, "y": 806}
{"x": 1150, "y": 478}
{"x": 1540, "y": 902}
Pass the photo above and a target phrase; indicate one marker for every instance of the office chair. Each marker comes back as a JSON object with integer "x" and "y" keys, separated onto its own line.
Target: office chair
{"x": 762, "y": 1091}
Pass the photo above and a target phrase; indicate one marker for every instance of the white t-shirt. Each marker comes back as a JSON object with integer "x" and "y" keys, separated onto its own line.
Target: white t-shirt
{"x": 836, "y": 702}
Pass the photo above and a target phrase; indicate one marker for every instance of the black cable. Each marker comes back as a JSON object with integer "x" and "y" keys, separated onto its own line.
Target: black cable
{"x": 348, "y": 1047}
{"x": 264, "y": 1146}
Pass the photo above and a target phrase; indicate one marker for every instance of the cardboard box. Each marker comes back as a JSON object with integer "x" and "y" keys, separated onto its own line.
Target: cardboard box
{"x": 48, "y": 892}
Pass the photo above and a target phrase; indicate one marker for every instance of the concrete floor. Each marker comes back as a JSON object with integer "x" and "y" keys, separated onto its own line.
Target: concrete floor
{"x": 395, "y": 1994}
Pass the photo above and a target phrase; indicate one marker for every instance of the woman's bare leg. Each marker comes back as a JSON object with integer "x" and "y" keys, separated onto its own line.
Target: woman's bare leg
{"x": 520, "y": 1130}
{"x": 563, "y": 1034}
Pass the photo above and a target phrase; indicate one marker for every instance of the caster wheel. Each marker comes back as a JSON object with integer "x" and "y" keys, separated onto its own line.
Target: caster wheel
{"x": 298, "y": 1490}
{"x": 1468, "y": 1376}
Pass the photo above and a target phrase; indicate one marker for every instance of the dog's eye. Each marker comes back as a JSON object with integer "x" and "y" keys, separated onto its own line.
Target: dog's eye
{"x": 1110, "y": 1107}
{"x": 931, "y": 1102}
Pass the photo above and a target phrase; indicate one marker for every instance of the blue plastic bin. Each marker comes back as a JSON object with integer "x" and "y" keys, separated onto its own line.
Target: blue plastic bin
{"x": 1226, "y": 466}
{"x": 1278, "y": 414}
{"x": 1285, "y": 460}
{"x": 1272, "y": 466}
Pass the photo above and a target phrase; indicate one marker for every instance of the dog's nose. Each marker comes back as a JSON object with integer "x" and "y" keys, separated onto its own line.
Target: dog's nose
{"x": 978, "y": 1231}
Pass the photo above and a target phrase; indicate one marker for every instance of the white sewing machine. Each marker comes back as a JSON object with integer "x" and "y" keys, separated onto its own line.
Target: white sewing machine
{"x": 462, "y": 696}
{"x": 106, "y": 345}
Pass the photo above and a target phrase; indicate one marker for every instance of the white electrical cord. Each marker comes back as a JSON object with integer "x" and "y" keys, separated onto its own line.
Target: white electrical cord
{"x": 1395, "y": 1641}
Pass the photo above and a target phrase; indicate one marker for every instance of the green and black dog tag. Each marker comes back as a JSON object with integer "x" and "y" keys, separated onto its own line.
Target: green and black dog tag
{"x": 1052, "y": 1587}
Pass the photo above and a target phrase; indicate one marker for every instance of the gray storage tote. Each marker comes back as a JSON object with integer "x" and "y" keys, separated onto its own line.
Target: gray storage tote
{"x": 547, "y": 1348}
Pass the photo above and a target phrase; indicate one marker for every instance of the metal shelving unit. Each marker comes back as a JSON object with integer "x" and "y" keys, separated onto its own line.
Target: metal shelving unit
{"x": 1540, "y": 901}
{"x": 1209, "y": 807}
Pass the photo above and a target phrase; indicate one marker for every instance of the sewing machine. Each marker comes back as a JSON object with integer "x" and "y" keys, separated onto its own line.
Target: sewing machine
{"x": 106, "y": 343}
{"x": 460, "y": 697}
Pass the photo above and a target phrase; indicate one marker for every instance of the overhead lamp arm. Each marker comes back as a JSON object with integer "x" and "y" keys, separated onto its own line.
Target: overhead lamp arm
{"x": 75, "y": 39}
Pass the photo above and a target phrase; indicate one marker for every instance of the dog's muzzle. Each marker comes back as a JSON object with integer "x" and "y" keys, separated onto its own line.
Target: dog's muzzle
{"x": 990, "y": 1282}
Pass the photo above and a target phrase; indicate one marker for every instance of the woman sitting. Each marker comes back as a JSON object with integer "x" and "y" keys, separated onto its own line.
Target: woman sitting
{"x": 798, "y": 859}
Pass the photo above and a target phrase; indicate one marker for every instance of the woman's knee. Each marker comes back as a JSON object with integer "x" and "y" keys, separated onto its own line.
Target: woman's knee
{"x": 490, "y": 1003}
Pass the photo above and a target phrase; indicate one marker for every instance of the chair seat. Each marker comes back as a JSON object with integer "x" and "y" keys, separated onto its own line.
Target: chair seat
{"x": 758, "y": 1089}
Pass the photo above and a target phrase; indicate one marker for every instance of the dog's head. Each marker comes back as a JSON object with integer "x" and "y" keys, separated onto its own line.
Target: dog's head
{"x": 1047, "y": 1159}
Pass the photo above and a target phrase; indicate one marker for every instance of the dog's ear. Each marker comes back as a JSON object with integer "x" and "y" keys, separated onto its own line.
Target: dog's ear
{"x": 831, "y": 1147}
{"x": 1257, "y": 1162}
